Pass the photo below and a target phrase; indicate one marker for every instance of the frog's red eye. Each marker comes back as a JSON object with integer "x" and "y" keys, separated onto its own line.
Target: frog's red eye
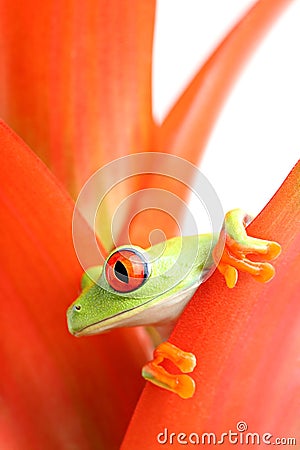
{"x": 126, "y": 270}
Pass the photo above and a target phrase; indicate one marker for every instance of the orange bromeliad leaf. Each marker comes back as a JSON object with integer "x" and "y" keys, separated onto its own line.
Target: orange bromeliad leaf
{"x": 57, "y": 392}
{"x": 84, "y": 94}
{"x": 247, "y": 344}
{"x": 187, "y": 127}
{"x": 93, "y": 63}
{"x": 76, "y": 81}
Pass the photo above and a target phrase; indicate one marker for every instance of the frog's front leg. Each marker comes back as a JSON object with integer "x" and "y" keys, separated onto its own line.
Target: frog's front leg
{"x": 234, "y": 246}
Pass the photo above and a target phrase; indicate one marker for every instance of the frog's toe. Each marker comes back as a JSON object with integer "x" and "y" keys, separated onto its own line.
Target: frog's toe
{"x": 264, "y": 273}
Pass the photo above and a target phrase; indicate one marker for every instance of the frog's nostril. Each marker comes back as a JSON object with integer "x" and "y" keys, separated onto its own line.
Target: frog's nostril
{"x": 77, "y": 307}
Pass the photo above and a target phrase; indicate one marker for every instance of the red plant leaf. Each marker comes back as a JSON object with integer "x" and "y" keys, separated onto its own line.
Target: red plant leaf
{"x": 187, "y": 127}
{"x": 247, "y": 344}
{"x": 75, "y": 80}
{"x": 57, "y": 391}
{"x": 75, "y": 84}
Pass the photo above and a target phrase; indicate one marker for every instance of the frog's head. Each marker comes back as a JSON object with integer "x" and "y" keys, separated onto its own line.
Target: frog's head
{"x": 116, "y": 291}
{"x": 133, "y": 289}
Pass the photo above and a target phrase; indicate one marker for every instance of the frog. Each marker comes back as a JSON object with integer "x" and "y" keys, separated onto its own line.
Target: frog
{"x": 151, "y": 287}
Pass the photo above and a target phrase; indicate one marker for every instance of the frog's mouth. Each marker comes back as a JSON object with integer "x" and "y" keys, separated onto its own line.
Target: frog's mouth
{"x": 121, "y": 319}
{"x": 151, "y": 312}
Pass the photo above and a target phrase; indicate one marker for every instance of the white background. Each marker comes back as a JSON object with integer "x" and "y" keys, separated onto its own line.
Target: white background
{"x": 256, "y": 140}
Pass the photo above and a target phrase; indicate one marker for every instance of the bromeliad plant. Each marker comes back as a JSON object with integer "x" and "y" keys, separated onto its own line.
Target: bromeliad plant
{"x": 76, "y": 86}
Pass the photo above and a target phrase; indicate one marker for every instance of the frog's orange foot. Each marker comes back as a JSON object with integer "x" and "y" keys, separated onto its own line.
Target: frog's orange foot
{"x": 183, "y": 385}
{"x": 238, "y": 245}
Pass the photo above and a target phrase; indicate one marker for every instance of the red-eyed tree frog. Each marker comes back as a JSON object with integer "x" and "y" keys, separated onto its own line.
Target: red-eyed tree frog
{"x": 138, "y": 287}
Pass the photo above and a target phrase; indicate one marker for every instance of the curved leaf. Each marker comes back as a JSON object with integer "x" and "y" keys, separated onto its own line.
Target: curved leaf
{"x": 75, "y": 80}
{"x": 187, "y": 127}
{"x": 247, "y": 344}
{"x": 56, "y": 391}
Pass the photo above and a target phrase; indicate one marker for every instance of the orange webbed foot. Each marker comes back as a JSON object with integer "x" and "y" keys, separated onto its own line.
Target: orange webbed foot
{"x": 233, "y": 247}
{"x": 182, "y": 385}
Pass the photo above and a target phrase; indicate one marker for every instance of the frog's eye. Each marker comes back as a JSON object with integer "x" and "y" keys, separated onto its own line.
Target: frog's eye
{"x": 126, "y": 270}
